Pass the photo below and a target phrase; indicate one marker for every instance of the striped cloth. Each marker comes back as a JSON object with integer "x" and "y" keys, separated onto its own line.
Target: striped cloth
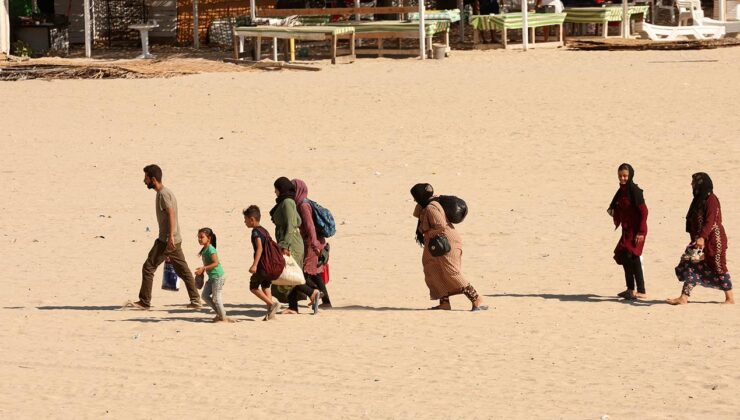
{"x": 601, "y": 14}
{"x": 432, "y": 27}
{"x": 449, "y": 15}
{"x": 515, "y": 21}
{"x": 331, "y": 30}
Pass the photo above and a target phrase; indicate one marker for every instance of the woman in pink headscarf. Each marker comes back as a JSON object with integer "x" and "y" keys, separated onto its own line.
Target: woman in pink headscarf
{"x": 312, "y": 243}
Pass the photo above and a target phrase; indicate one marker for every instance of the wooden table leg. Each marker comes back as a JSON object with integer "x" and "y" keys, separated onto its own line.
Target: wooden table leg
{"x": 606, "y": 29}
{"x": 380, "y": 47}
{"x": 504, "y": 34}
{"x": 286, "y": 49}
{"x": 562, "y": 35}
{"x": 352, "y": 39}
{"x": 476, "y": 37}
{"x": 334, "y": 49}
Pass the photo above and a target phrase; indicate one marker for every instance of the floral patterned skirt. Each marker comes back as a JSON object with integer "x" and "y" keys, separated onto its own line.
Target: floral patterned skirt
{"x": 703, "y": 275}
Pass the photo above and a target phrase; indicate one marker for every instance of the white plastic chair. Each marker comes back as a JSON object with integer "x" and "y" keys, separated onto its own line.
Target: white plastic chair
{"x": 689, "y": 10}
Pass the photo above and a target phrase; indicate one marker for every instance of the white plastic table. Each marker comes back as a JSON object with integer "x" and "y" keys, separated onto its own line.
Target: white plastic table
{"x": 144, "y": 29}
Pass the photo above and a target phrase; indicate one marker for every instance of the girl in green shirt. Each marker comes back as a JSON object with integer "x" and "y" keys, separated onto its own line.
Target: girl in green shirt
{"x": 212, "y": 266}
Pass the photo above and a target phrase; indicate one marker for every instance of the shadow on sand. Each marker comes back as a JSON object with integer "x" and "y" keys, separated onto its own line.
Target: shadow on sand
{"x": 373, "y": 308}
{"x": 586, "y": 298}
{"x": 79, "y": 308}
{"x": 204, "y": 320}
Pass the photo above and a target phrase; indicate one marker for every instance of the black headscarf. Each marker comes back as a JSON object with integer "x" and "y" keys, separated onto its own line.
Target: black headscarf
{"x": 703, "y": 188}
{"x": 422, "y": 194}
{"x": 285, "y": 189}
{"x": 633, "y": 189}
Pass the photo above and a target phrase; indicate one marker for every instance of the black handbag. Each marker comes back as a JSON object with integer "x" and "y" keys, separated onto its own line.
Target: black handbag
{"x": 439, "y": 246}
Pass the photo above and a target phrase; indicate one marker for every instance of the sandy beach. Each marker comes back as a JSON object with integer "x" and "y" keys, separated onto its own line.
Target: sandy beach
{"x": 530, "y": 140}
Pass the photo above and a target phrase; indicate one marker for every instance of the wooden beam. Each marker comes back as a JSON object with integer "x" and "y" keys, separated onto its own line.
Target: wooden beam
{"x": 334, "y": 11}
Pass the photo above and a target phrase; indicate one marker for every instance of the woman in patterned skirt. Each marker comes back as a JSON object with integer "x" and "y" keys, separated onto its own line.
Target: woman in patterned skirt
{"x": 442, "y": 274}
{"x": 704, "y": 225}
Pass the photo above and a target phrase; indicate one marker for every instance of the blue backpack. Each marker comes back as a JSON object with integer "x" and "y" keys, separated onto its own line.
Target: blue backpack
{"x": 322, "y": 220}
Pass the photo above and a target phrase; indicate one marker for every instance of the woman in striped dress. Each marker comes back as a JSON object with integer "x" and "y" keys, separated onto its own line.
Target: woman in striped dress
{"x": 442, "y": 274}
{"x": 704, "y": 225}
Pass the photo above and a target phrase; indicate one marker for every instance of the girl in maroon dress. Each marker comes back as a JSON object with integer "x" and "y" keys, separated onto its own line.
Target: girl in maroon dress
{"x": 704, "y": 225}
{"x": 628, "y": 210}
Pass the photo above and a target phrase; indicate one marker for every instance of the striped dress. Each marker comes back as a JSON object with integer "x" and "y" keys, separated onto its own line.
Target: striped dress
{"x": 442, "y": 274}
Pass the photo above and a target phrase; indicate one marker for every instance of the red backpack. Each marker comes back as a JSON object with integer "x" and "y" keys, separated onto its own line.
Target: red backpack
{"x": 272, "y": 262}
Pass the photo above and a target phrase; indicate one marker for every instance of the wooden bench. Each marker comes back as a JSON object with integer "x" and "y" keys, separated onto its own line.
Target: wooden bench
{"x": 290, "y": 34}
{"x": 391, "y": 29}
{"x": 602, "y": 15}
{"x": 507, "y": 21}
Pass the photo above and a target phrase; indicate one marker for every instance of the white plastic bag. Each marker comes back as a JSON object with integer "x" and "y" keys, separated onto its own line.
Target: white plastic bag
{"x": 292, "y": 274}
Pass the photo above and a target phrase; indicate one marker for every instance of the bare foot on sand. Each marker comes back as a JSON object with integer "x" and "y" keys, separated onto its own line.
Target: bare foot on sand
{"x": 729, "y": 298}
{"x": 289, "y": 312}
{"x": 682, "y": 300}
{"x": 641, "y": 295}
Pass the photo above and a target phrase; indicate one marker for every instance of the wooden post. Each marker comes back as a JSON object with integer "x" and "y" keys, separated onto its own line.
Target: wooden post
{"x": 525, "y": 25}
{"x": 258, "y": 49}
{"x": 236, "y": 46}
{"x": 88, "y": 34}
{"x": 252, "y": 9}
{"x": 625, "y": 20}
{"x": 422, "y": 30}
{"x": 461, "y": 7}
{"x": 357, "y": 5}
{"x": 4, "y": 27}
{"x": 352, "y": 45}
{"x": 274, "y": 49}
{"x": 334, "y": 49}
{"x": 196, "y": 34}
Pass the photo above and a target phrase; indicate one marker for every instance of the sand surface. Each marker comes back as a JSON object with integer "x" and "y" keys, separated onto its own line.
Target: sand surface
{"x": 530, "y": 140}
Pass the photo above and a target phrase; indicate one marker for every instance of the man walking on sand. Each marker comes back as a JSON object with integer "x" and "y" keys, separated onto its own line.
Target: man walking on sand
{"x": 167, "y": 245}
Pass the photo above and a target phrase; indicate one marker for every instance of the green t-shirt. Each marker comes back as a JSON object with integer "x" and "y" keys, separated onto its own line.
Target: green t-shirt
{"x": 208, "y": 259}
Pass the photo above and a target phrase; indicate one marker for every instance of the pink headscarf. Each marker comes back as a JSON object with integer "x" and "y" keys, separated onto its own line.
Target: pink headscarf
{"x": 301, "y": 191}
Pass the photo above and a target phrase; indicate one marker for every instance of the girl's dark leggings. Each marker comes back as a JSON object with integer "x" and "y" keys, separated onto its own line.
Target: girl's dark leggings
{"x": 633, "y": 272}
{"x": 307, "y": 289}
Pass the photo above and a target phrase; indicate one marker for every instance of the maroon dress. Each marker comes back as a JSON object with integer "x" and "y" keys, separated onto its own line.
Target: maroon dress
{"x": 633, "y": 220}
{"x": 706, "y": 223}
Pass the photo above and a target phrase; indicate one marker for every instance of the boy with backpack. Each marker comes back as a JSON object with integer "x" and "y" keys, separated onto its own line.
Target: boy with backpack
{"x": 268, "y": 261}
